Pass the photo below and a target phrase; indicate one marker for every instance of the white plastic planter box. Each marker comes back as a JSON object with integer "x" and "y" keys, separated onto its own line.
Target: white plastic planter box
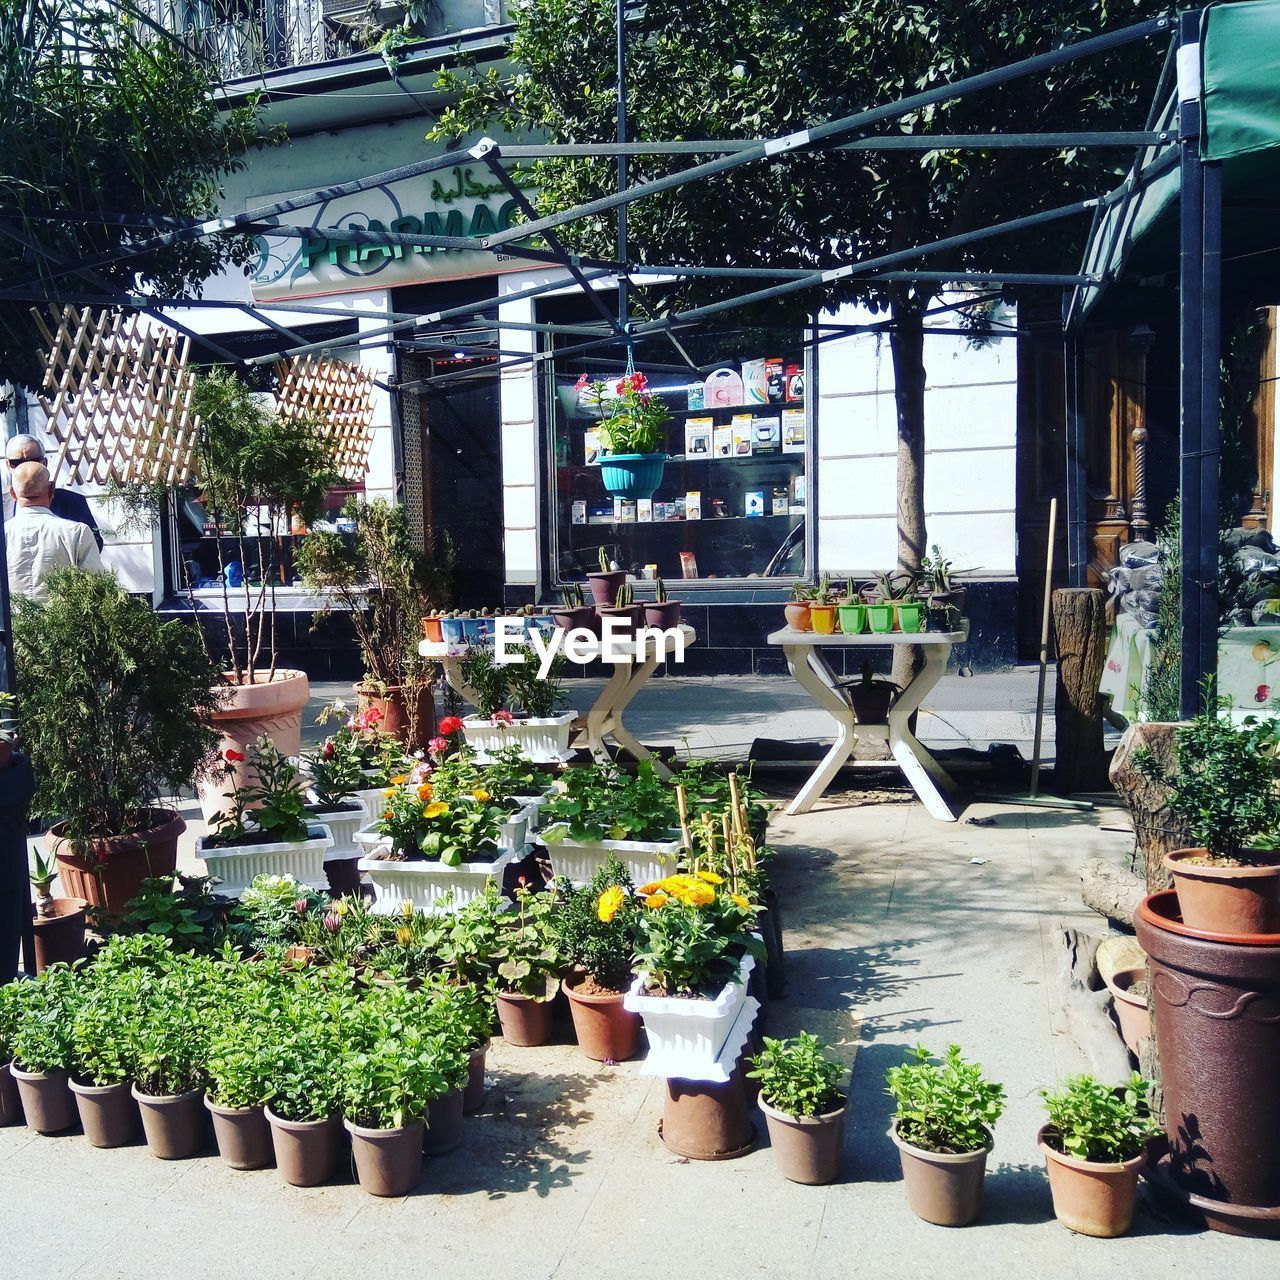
{"x": 343, "y": 825}
{"x": 237, "y": 866}
{"x": 646, "y": 860}
{"x": 430, "y": 886}
{"x": 544, "y": 740}
{"x": 515, "y": 831}
{"x": 686, "y": 1036}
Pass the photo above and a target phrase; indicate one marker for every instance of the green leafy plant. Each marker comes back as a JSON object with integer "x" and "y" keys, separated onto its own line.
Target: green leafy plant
{"x": 447, "y": 831}
{"x": 304, "y": 1049}
{"x": 797, "y": 1078}
{"x": 1093, "y": 1121}
{"x": 42, "y": 878}
{"x": 537, "y": 695}
{"x": 117, "y": 705}
{"x": 489, "y": 680}
{"x": 42, "y": 1038}
{"x": 461, "y": 1011}
{"x": 192, "y": 917}
{"x": 168, "y": 1039}
{"x": 598, "y": 926}
{"x": 470, "y": 948}
{"x": 632, "y": 418}
{"x": 271, "y": 910}
{"x": 944, "y": 1104}
{"x": 271, "y": 809}
{"x": 937, "y": 573}
{"x": 528, "y": 955}
{"x": 102, "y": 1027}
{"x": 335, "y": 772}
{"x": 600, "y": 802}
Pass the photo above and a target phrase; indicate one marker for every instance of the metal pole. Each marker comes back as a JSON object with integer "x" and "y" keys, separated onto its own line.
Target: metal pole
{"x": 1077, "y": 499}
{"x": 1209, "y": 444}
{"x": 624, "y": 307}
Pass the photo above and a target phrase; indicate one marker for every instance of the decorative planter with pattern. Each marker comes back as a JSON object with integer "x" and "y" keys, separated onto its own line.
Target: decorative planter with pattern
{"x": 430, "y": 886}
{"x": 646, "y": 860}
{"x": 237, "y": 866}
{"x": 542, "y": 739}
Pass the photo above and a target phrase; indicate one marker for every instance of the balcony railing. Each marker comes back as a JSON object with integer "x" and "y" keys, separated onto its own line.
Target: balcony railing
{"x": 244, "y": 38}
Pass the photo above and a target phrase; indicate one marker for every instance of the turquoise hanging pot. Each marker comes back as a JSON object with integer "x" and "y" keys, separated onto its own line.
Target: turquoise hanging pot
{"x": 632, "y": 475}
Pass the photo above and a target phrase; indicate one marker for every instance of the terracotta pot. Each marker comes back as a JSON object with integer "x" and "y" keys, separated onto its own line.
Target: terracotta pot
{"x": 243, "y": 1136}
{"x": 662, "y": 613}
{"x": 443, "y": 1129}
{"x": 798, "y": 616}
{"x": 704, "y": 1121}
{"x": 583, "y": 617}
{"x": 1230, "y": 900}
{"x": 60, "y": 935}
{"x": 1213, "y": 1006}
{"x": 175, "y": 1124}
{"x": 1090, "y": 1198}
{"x": 10, "y": 1103}
{"x": 393, "y": 704}
{"x": 46, "y": 1099}
{"x": 942, "y": 1188}
{"x": 431, "y": 630}
{"x": 111, "y": 874}
{"x": 343, "y": 875}
{"x": 247, "y": 712}
{"x": 525, "y": 1022}
{"x": 306, "y": 1150}
{"x": 604, "y": 586}
{"x": 108, "y": 1113}
{"x": 473, "y": 1094}
{"x": 606, "y": 1031}
{"x": 953, "y": 599}
{"x": 807, "y": 1149}
{"x": 1131, "y": 1011}
{"x": 388, "y": 1161}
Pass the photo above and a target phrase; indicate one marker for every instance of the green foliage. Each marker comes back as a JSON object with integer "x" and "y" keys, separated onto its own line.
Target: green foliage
{"x": 600, "y": 802}
{"x": 1162, "y": 685}
{"x": 117, "y": 704}
{"x": 533, "y": 693}
{"x": 335, "y": 773}
{"x": 169, "y": 1036}
{"x": 632, "y": 418}
{"x": 1223, "y": 788}
{"x": 11, "y": 994}
{"x": 102, "y": 1024}
{"x": 944, "y": 1104}
{"x": 273, "y": 803}
{"x": 192, "y": 917}
{"x": 528, "y": 954}
{"x": 447, "y": 831}
{"x": 1094, "y": 1121}
{"x": 271, "y": 910}
{"x": 797, "y": 1078}
{"x": 470, "y": 947}
{"x": 42, "y": 1037}
{"x": 488, "y": 679}
{"x": 598, "y": 925}
{"x": 463, "y": 1012}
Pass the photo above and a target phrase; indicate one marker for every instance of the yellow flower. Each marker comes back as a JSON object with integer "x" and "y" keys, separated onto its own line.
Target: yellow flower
{"x": 435, "y": 809}
{"x": 609, "y": 903}
{"x": 342, "y": 906}
{"x": 709, "y": 877}
{"x": 481, "y": 794}
{"x": 689, "y": 890}
{"x": 406, "y": 909}
{"x": 656, "y": 900}
{"x": 388, "y": 791}
{"x": 404, "y": 935}
{"x": 400, "y": 779}
{"x": 740, "y": 901}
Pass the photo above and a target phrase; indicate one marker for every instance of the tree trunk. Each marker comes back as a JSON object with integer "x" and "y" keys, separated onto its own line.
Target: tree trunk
{"x": 1111, "y": 891}
{"x": 1156, "y": 830}
{"x": 1080, "y": 632}
{"x": 906, "y": 344}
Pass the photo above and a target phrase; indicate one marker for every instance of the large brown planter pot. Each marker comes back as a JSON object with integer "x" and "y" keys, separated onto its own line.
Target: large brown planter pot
{"x": 942, "y": 1188}
{"x": 807, "y": 1149}
{"x": 704, "y": 1121}
{"x": 662, "y": 613}
{"x": 306, "y": 1150}
{"x": 525, "y": 1022}
{"x": 247, "y": 712}
{"x": 59, "y": 936}
{"x": 581, "y": 616}
{"x": 243, "y": 1136}
{"x": 443, "y": 1131}
{"x": 606, "y": 1031}
{"x": 1215, "y": 1005}
{"x": 10, "y": 1103}
{"x": 111, "y": 874}
{"x": 108, "y": 1113}
{"x": 1231, "y": 900}
{"x": 46, "y": 1098}
{"x": 1091, "y": 1198}
{"x": 473, "y": 1094}
{"x": 388, "y": 1161}
{"x": 175, "y": 1124}
{"x": 604, "y": 586}
{"x": 395, "y": 713}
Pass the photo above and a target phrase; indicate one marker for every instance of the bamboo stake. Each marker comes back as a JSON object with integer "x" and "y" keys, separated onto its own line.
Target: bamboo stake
{"x": 683, "y": 802}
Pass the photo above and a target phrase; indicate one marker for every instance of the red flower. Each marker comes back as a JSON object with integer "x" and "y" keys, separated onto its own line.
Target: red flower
{"x": 582, "y": 382}
{"x": 450, "y": 725}
{"x": 232, "y": 756}
{"x": 328, "y": 751}
{"x": 373, "y": 715}
{"x": 438, "y": 746}
{"x": 502, "y": 717}
{"x": 1264, "y": 692}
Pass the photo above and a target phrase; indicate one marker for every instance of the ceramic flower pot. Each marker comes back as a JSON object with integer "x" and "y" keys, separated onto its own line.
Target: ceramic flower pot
{"x": 307, "y": 1150}
{"x": 632, "y": 475}
{"x": 624, "y": 619}
{"x": 47, "y": 1102}
{"x": 243, "y": 1136}
{"x": 453, "y": 631}
{"x": 880, "y": 618}
{"x": 645, "y": 860}
{"x": 444, "y": 1122}
{"x": 388, "y": 1161}
{"x": 10, "y": 1103}
{"x": 237, "y": 866}
{"x": 175, "y": 1124}
{"x": 663, "y": 614}
{"x": 415, "y": 730}
{"x": 822, "y": 618}
{"x": 60, "y": 934}
{"x": 108, "y": 1113}
{"x": 111, "y": 872}
{"x": 942, "y": 1188}
{"x": 706, "y": 1121}
{"x": 1227, "y": 900}
{"x": 473, "y": 1094}
{"x": 853, "y": 618}
{"x": 431, "y": 631}
{"x": 525, "y": 1022}
{"x": 1132, "y": 1012}
{"x": 1092, "y": 1199}
{"x": 604, "y": 585}
{"x": 582, "y": 617}
{"x": 910, "y": 615}
{"x": 797, "y": 613}
{"x": 606, "y": 1031}
{"x": 806, "y": 1149}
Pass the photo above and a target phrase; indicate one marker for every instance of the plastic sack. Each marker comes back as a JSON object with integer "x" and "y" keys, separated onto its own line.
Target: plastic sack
{"x": 1234, "y": 540}
{"x": 1266, "y": 613}
{"x": 1137, "y": 555}
{"x": 1254, "y": 562}
{"x": 1148, "y": 578}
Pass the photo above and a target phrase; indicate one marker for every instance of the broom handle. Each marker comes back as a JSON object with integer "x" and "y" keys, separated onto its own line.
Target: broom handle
{"x": 1044, "y": 646}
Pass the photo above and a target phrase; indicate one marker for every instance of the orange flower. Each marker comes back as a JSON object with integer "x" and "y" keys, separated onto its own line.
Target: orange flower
{"x": 424, "y": 792}
{"x": 388, "y": 813}
{"x": 400, "y": 779}
{"x": 656, "y": 900}
{"x": 610, "y": 903}
{"x": 481, "y": 795}
{"x": 646, "y": 889}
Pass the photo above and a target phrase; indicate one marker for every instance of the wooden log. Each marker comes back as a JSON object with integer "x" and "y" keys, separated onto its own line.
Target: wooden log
{"x": 1156, "y": 830}
{"x": 1085, "y": 1002}
{"x": 1111, "y": 891}
{"x": 1080, "y": 632}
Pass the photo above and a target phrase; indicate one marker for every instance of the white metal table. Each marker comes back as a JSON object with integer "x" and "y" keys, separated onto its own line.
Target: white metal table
{"x": 632, "y": 664}
{"x": 805, "y": 660}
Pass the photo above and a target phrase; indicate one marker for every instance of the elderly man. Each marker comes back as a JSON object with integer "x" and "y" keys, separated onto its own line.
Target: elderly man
{"x": 66, "y": 502}
{"x": 39, "y": 541}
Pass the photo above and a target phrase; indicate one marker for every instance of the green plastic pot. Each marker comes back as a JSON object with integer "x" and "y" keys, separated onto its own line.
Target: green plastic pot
{"x": 910, "y": 616}
{"x": 880, "y": 618}
{"x": 853, "y": 617}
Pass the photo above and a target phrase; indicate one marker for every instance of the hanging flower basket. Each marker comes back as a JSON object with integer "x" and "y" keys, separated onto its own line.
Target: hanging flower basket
{"x": 632, "y": 424}
{"x": 632, "y": 475}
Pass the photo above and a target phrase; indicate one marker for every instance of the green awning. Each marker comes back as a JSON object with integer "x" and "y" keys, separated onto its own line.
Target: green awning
{"x": 1240, "y": 74}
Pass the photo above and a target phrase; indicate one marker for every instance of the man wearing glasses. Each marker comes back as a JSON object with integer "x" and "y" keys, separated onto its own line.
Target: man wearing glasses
{"x": 65, "y": 503}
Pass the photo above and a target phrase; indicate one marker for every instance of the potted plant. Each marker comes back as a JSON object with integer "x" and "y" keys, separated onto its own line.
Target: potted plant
{"x": 1094, "y": 1146}
{"x": 1129, "y": 996}
{"x": 598, "y": 929}
{"x": 59, "y": 922}
{"x": 539, "y": 730}
{"x": 1223, "y": 789}
{"x": 379, "y": 755}
{"x": 11, "y": 996}
{"x": 871, "y": 697}
{"x": 597, "y": 812}
{"x": 662, "y": 612}
{"x": 44, "y": 1050}
{"x": 942, "y": 1129}
{"x": 604, "y": 584}
{"x": 797, "y": 610}
{"x": 502, "y": 787}
{"x": 528, "y": 969}
{"x": 335, "y": 777}
{"x": 575, "y": 614}
{"x": 265, "y": 830}
{"x": 464, "y": 1012}
{"x": 938, "y": 587}
{"x": 804, "y": 1105}
{"x": 851, "y": 612}
{"x": 384, "y": 584}
{"x": 623, "y": 610}
{"x": 631, "y": 427}
{"x": 822, "y": 607}
{"x": 117, "y": 713}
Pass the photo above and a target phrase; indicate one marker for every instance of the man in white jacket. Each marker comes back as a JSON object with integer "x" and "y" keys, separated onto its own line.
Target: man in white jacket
{"x": 38, "y": 541}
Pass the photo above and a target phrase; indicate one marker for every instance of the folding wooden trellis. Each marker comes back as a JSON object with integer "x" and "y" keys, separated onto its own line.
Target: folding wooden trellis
{"x": 338, "y": 394}
{"x": 117, "y": 391}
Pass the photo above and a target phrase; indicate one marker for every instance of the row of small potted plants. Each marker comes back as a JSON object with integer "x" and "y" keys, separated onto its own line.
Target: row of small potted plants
{"x": 893, "y": 602}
